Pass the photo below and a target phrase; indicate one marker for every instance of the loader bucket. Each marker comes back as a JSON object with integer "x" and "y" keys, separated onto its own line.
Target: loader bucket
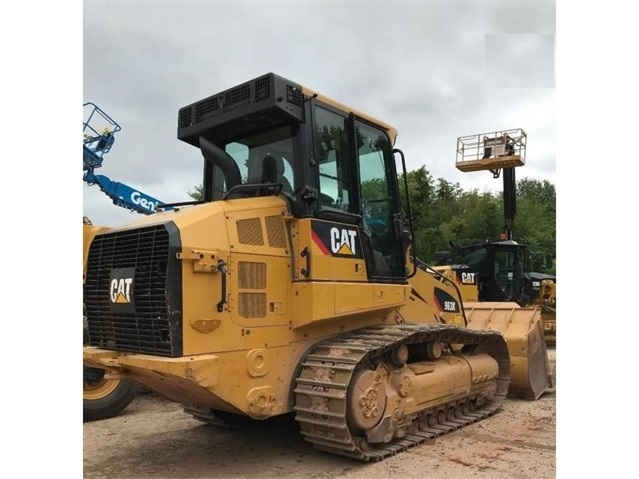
{"x": 523, "y": 331}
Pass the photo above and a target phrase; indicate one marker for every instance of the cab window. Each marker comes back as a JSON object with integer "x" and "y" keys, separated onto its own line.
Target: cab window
{"x": 331, "y": 148}
{"x": 377, "y": 206}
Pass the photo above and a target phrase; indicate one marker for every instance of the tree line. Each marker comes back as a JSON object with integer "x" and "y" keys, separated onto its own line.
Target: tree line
{"x": 444, "y": 212}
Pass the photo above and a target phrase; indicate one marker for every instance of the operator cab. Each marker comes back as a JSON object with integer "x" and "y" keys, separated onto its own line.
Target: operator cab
{"x": 271, "y": 136}
{"x": 501, "y": 268}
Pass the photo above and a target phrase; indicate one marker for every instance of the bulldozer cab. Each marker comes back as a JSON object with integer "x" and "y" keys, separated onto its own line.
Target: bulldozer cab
{"x": 330, "y": 163}
{"x": 501, "y": 269}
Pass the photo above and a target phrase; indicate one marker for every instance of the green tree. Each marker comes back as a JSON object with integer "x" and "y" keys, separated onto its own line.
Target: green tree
{"x": 197, "y": 193}
{"x": 535, "y": 221}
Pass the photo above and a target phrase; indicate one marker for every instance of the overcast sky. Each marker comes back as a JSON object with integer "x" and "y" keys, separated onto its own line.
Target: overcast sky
{"x": 434, "y": 70}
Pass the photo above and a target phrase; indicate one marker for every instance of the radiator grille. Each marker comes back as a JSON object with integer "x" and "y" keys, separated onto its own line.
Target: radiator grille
{"x": 252, "y": 305}
{"x": 249, "y": 231}
{"x": 251, "y": 275}
{"x": 275, "y": 231}
{"x": 152, "y": 321}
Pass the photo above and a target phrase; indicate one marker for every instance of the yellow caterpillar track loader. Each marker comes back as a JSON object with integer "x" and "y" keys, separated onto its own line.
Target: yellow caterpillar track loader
{"x": 290, "y": 288}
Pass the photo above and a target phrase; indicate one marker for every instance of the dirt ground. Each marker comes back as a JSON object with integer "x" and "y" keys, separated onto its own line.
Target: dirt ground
{"x": 154, "y": 438}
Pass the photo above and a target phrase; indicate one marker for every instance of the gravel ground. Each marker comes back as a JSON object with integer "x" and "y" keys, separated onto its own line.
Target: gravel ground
{"x": 154, "y": 438}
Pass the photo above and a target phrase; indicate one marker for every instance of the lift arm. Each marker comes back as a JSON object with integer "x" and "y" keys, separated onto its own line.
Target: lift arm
{"x": 123, "y": 195}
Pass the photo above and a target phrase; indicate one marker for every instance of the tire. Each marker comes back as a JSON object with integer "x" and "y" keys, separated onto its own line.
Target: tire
{"x": 105, "y": 398}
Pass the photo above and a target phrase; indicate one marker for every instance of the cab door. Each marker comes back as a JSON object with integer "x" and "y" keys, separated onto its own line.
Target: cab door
{"x": 356, "y": 181}
{"x": 379, "y": 201}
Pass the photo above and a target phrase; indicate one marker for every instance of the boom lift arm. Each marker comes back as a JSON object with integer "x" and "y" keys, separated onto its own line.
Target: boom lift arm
{"x": 124, "y": 195}
{"x": 98, "y": 137}
{"x": 496, "y": 151}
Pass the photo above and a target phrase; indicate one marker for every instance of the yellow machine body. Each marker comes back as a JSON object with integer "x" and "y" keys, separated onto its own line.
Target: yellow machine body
{"x": 264, "y": 352}
{"x": 522, "y": 327}
{"x": 543, "y": 305}
{"x": 88, "y": 233}
{"x": 269, "y": 321}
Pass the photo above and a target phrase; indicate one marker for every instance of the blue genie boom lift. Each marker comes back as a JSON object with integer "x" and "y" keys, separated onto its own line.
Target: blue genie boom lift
{"x": 98, "y": 137}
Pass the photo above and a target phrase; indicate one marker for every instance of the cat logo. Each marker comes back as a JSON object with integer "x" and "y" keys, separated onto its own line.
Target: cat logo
{"x": 343, "y": 241}
{"x": 121, "y": 290}
{"x": 468, "y": 278}
{"x": 337, "y": 240}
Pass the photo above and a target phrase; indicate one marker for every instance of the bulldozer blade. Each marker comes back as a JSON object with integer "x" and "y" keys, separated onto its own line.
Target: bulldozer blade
{"x": 523, "y": 331}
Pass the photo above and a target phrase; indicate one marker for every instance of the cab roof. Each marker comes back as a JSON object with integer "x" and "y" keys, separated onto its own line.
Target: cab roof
{"x": 390, "y": 130}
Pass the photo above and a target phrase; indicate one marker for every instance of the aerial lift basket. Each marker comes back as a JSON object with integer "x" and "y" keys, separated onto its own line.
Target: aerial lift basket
{"x": 491, "y": 151}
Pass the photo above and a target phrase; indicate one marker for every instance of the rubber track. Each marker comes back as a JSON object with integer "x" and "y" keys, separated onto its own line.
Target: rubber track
{"x": 328, "y": 429}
